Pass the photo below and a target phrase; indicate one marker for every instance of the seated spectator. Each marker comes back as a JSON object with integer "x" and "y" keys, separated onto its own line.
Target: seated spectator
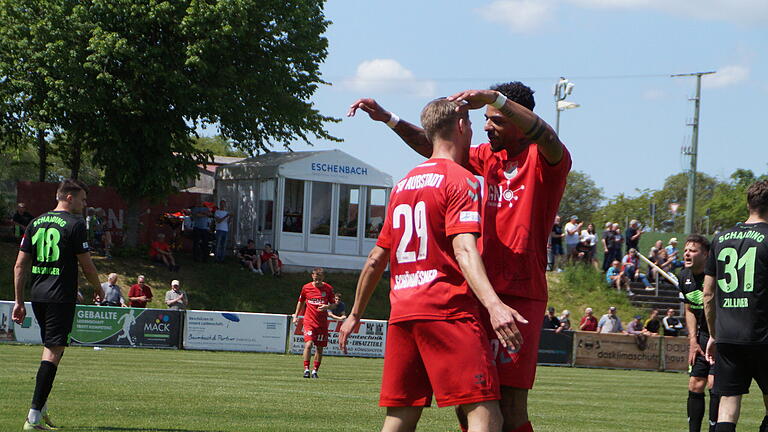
{"x": 140, "y": 293}
{"x": 616, "y": 279}
{"x": 610, "y": 322}
{"x": 551, "y": 322}
{"x": 112, "y": 294}
{"x": 663, "y": 261}
{"x": 673, "y": 254}
{"x": 249, "y": 257}
{"x": 672, "y": 325}
{"x": 160, "y": 253}
{"x": 659, "y": 245}
{"x": 269, "y": 260}
{"x": 635, "y": 327}
{"x": 653, "y": 324}
{"x": 631, "y": 268}
{"x": 176, "y": 298}
{"x": 565, "y": 320}
{"x": 338, "y": 310}
{"x": 588, "y": 321}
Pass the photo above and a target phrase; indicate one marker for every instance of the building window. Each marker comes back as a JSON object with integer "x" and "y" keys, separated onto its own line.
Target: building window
{"x": 267, "y": 204}
{"x": 293, "y": 205}
{"x": 320, "y": 212}
{"x": 349, "y": 208}
{"x": 375, "y": 211}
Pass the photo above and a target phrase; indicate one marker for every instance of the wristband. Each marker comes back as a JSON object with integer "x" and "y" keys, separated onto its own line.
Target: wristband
{"x": 393, "y": 120}
{"x": 500, "y": 101}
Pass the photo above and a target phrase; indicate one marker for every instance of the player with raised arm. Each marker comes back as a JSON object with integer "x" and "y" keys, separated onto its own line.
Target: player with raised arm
{"x": 435, "y": 342}
{"x": 52, "y": 246}
{"x": 736, "y": 307}
{"x": 701, "y": 372}
{"x": 314, "y": 301}
{"x": 525, "y": 167}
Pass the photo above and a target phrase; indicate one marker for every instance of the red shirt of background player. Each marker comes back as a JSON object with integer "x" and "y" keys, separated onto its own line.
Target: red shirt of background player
{"x": 314, "y": 297}
{"x": 522, "y": 195}
{"x": 434, "y": 201}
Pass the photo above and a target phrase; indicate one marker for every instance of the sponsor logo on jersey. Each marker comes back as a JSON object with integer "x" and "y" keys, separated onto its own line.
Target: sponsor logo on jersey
{"x": 499, "y": 195}
{"x": 469, "y": 216}
{"x": 412, "y": 280}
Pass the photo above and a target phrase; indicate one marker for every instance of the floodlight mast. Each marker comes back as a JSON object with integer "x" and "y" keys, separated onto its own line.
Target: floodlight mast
{"x": 690, "y": 200}
{"x": 563, "y": 88}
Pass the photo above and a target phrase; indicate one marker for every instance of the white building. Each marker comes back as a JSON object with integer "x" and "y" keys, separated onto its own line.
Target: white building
{"x": 317, "y": 208}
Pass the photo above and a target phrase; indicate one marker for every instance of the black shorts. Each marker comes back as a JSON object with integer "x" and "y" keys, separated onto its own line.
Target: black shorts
{"x": 737, "y": 365}
{"x": 55, "y": 321}
{"x": 701, "y": 367}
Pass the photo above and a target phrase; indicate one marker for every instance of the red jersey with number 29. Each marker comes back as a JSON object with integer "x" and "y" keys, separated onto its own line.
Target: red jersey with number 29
{"x": 314, "y": 297}
{"x": 435, "y": 201}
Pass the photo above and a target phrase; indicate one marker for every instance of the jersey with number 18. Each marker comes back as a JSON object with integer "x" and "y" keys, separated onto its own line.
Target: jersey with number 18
{"x": 738, "y": 261}
{"x": 435, "y": 201}
{"x": 54, "y": 240}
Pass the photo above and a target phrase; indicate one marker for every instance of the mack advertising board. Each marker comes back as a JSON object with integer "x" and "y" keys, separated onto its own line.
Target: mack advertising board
{"x": 126, "y": 327}
{"x": 368, "y": 340}
{"x": 235, "y": 331}
{"x": 27, "y": 332}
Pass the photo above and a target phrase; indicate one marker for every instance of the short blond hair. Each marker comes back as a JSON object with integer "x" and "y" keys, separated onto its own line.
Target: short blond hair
{"x": 438, "y": 118}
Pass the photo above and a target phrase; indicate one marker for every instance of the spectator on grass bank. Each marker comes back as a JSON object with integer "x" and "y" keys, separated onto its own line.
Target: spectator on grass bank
{"x": 201, "y": 229}
{"x": 556, "y": 244}
{"x": 672, "y": 325}
{"x": 635, "y": 327}
{"x": 176, "y": 298}
{"x": 160, "y": 253}
{"x": 21, "y": 219}
{"x": 653, "y": 323}
{"x": 673, "y": 254}
{"x": 140, "y": 293}
{"x": 565, "y": 320}
{"x": 588, "y": 321}
{"x": 663, "y": 261}
{"x": 249, "y": 257}
{"x": 572, "y": 229}
{"x": 616, "y": 278}
{"x": 659, "y": 245}
{"x": 269, "y": 261}
{"x": 631, "y": 268}
{"x": 607, "y": 242}
{"x": 618, "y": 242}
{"x": 632, "y": 235}
{"x": 588, "y": 241}
{"x": 221, "y": 217}
{"x": 113, "y": 296}
{"x": 551, "y": 322}
{"x": 338, "y": 310}
{"x": 610, "y": 322}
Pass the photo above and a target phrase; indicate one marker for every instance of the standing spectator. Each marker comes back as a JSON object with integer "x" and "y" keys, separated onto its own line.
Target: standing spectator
{"x": 269, "y": 260}
{"x": 176, "y": 298}
{"x": 160, "y": 252}
{"x": 653, "y": 324}
{"x": 588, "y": 240}
{"x": 631, "y": 268}
{"x": 551, "y": 322}
{"x": 632, "y": 235}
{"x": 616, "y": 278}
{"x": 556, "y": 243}
{"x": 635, "y": 327}
{"x": 618, "y": 241}
{"x": 588, "y": 321}
{"x": 610, "y": 322}
{"x": 565, "y": 320}
{"x": 607, "y": 240}
{"x": 140, "y": 293}
{"x": 105, "y": 234}
{"x": 201, "y": 228}
{"x": 113, "y": 296}
{"x": 339, "y": 309}
{"x": 21, "y": 219}
{"x": 221, "y": 216}
{"x": 249, "y": 257}
{"x": 572, "y": 229}
{"x": 672, "y": 325}
{"x": 315, "y": 299}
{"x": 672, "y": 253}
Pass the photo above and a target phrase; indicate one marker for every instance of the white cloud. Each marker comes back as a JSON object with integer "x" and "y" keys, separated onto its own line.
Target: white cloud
{"x": 388, "y": 76}
{"x": 519, "y": 16}
{"x": 726, "y": 76}
{"x": 736, "y": 11}
{"x": 654, "y": 94}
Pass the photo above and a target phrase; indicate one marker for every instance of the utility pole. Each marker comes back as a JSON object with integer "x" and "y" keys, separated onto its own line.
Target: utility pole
{"x": 690, "y": 200}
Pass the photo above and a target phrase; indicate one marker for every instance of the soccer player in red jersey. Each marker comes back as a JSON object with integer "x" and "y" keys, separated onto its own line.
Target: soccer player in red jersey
{"x": 435, "y": 341}
{"x": 314, "y": 301}
{"x": 525, "y": 167}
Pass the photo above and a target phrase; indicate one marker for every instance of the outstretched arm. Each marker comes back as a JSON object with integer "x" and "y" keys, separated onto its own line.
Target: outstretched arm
{"x": 413, "y": 135}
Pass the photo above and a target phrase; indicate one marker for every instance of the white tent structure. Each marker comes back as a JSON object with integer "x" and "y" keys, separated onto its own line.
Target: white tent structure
{"x": 317, "y": 208}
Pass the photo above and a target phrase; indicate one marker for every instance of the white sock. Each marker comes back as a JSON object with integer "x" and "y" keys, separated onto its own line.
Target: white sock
{"x": 34, "y": 416}
{"x": 306, "y": 370}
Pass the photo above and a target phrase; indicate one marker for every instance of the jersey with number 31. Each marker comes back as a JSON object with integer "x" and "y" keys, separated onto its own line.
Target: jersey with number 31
{"x": 435, "y": 201}
{"x": 54, "y": 240}
{"x": 738, "y": 261}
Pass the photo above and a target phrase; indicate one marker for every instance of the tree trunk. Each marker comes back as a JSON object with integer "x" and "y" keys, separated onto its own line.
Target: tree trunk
{"x": 42, "y": 154}
{"x": 76, "y": 158}
{"x": 131, "y": 227}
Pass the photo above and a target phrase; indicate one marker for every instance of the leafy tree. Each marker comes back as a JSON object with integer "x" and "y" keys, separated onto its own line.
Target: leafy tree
{"x": 130, "y": 81}
{"x": 622, "y": 208}
{"x": 582, "y": 197}
{"x": 218, "y": 146}
{"x": 675, "y": 190}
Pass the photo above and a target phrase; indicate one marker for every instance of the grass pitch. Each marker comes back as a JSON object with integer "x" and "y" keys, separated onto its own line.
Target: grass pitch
{"x": 160, "y": 390}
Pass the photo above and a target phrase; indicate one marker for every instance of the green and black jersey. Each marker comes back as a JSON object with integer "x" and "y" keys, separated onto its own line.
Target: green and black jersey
{"x": 55, "y": 239}
{"x": 691, "y": 288}
{"x": 739, "y": 263}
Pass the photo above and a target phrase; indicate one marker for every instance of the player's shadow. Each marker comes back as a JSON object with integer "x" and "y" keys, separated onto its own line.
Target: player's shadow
{"x": 131, "y": 429}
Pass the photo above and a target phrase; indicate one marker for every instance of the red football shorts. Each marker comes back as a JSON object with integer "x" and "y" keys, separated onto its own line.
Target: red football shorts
{"x": 518, "y": 369}
{"x": 451, "y": 359}
{"x": 318, "y": 335}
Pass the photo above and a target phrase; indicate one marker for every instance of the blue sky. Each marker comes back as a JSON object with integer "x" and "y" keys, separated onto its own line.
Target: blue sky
{"x": 631, "y": 125}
